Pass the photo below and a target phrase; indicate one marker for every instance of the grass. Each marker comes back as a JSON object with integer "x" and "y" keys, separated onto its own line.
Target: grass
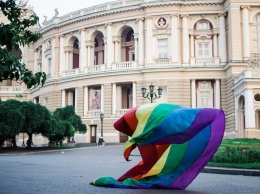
{"x": 237, "y": 153}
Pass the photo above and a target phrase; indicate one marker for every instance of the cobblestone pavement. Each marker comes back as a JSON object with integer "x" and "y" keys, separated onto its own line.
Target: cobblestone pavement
{"x": 70, "y": 171}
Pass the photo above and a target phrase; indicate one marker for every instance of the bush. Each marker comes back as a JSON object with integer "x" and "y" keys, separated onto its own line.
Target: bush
{"x": 237, "y": 155}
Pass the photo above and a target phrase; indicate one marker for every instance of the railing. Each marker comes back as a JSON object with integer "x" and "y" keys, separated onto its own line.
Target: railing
{"x": 247, "y": 74}
{"x": 95, "y": 68}
{"x": 93, "y": 113}
{"x": 11, "y": 89}
{"x": 120, "y": 112}
{"x": 124, "y": 65}
{"x": 70, "y": 72}
{"x": 162, "y": 61}
{"x": 204, "y": 61}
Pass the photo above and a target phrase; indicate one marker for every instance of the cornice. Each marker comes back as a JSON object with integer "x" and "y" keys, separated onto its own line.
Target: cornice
{"x": 76, "y": 17}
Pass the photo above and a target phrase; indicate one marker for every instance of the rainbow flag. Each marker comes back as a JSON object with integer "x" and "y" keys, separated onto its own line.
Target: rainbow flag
{"x": 175, "y": 144}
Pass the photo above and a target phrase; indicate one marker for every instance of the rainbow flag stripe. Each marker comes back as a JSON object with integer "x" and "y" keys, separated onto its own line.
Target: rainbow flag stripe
{"x": 175, "y": 144}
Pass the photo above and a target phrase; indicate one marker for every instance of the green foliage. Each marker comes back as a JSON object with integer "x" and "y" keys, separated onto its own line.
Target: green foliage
{"x": 14, "y": 34}
{"x": 11, "y": 120}
{"x": 237, "y": 153}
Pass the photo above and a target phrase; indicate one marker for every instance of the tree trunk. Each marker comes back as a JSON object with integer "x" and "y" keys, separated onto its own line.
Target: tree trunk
{"x": 14, "y": 141}
{"x": 2, "y": 140}
{"x": 29, "y": 141}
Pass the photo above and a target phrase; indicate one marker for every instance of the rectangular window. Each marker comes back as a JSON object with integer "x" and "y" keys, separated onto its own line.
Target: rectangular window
{"x": 203, "y": 50}
{"x": 163, "y": 48}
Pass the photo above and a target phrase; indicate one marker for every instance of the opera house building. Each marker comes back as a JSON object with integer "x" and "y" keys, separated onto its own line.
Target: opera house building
{"x": 200, "y": 53}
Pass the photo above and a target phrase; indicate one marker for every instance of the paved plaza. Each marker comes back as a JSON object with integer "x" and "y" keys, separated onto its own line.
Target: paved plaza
{"x": 70, "y": 171}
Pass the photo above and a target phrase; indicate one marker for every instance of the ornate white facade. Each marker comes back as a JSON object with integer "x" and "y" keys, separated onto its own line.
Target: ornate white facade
{"x": 202, "y": 53}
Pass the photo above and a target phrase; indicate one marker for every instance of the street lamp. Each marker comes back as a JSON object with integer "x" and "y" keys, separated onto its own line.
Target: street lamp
{"x": 151, "y": 95}
{"x": 23, "y": 140}
{"x": 101, "y": 139}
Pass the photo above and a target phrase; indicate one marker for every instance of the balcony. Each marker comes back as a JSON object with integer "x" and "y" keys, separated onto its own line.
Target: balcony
{"x": 124, "y": 65}
{"x": 205, "y": 61}
{"x": 121, "y": 112}
{"x": 11, "y": 89}
{"x": 93, "y": 113}
{"x": 70, "y": 72}
{"x": 247, "y": 74}
{"x": 95, "y": 68}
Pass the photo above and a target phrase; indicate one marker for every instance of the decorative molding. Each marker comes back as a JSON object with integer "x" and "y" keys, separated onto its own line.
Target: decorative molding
{"x": 161, "y": 22}
{"x": 223, "y": 14}
{"x": 245, "y": 7}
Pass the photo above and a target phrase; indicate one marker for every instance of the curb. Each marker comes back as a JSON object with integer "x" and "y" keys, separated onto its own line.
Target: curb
{"x": 231, "y": 171}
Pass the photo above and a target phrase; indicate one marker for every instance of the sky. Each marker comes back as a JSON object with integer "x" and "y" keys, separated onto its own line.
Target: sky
{"x": 46, "y": 7}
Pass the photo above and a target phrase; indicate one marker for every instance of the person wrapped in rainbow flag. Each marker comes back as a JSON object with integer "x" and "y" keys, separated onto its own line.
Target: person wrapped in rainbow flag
{"x": 175, "y": 144}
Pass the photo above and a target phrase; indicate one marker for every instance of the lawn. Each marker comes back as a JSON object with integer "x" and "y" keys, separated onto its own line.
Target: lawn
{"x": 238, "y": 153}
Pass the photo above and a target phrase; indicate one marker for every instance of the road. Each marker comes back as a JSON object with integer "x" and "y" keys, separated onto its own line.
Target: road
{"x": 70, "y": 171}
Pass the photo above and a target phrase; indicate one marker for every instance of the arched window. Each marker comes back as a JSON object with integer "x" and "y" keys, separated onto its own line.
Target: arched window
{"x": 76, "y": 54}
{"x": 256, "y": 33}
{"x": 203, "y": 39}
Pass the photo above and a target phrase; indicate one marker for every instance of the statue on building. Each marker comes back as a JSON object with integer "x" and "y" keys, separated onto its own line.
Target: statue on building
{"x": 56, "y": 12}
{"x": 45, "y": 18}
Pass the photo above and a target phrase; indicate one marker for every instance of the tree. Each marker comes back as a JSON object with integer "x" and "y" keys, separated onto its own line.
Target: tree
{"x": 68, "y": 114}
{"x": 14, "y": 34}
{"x": 35, "y": 116}
{"x": 11, "y": 120}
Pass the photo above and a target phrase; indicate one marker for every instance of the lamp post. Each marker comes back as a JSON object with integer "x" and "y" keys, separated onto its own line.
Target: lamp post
{"x": 151, "y": 95}
{"x": 101, "y": 139}
{"x": 23, "y": 140}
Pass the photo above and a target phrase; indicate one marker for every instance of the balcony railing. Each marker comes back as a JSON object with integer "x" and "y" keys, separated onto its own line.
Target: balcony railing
{"x": 247, "y": 74}
{"x": 204, "y": 61}
{"x": 162, "y": 61}
{"x": 11, "y": 89}
{"x": 95, "y": 68}
{"x": 70, "y": 72}
{"x": 93, "y": 113}
{"x": 120, "y": 112}
{"x": 124, "y": 65}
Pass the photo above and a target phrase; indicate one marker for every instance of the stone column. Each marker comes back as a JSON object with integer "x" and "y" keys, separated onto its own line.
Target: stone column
{"x": 85, "y": 101}
{"x": 134, "y": 94}
{"x": 35, "y": 61}
{"x": 136, "y": 46}
{"x": 222, "y": 49}
{"x": 53, "y": 55}
{"x": 217, "y": 93}
{"x": 102, "y": 98}
{"x": 62, "y": 57}
{"x": 109, "y": 47}
{"x": 114, "y": 99}
{"x": 175, "y": 38}
{"x": 192, "y": 45}
{"x": 67, "y": 60}
{"x": 185, "y": 39}
{"x": 249, "y": 110}
{"x": 105, "y": 51}
{"x": 245, "y": 30}
{"x": 140, "y": 41}
{"x": 149, "y": 40}
{"x": 215, "y": 45}
{"x": 193, "y": 94}
{"x": 63, "y": 98}
{"x": 76, "y": 100}
{"x": 82, "y": 51}
{"x": 44, "y": 63}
